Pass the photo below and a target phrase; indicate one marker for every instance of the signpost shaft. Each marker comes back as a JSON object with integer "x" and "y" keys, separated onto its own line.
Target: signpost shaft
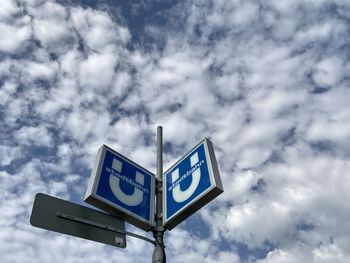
{"x": 159, "y": 249}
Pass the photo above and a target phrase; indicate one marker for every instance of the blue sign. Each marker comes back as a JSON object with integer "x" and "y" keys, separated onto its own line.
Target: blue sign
{"x": 190, "y": 184}
{"x": 119, "y": 186}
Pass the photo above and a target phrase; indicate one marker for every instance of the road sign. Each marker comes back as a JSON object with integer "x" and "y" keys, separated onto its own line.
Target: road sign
{"x": 121, "y": 187}
{"x": 65, "y": 217}
{"x": 190, "y": 184}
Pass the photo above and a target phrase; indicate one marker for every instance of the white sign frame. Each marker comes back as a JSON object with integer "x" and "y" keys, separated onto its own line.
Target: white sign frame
{"x": 202, "y": 199}
{"x": 94, "y": 199}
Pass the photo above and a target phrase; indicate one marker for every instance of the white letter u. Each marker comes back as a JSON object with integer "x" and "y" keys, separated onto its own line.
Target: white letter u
{"x": 179, "y": 195}
{"x": 114, "y": 182}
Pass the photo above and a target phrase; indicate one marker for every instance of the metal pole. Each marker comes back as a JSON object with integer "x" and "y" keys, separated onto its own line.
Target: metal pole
{"x": 158, "y": 232}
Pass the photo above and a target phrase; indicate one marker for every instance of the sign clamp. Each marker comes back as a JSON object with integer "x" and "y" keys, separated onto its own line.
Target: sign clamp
{"x": 95, "y": 224}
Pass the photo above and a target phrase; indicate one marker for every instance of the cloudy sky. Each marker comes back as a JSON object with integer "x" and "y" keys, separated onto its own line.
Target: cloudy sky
{"x": 267, "y": 81}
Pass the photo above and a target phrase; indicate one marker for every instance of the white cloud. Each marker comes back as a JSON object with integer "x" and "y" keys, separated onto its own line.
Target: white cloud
{"x": 8, "y": 89}
{"x": 145, "y": 160}
{"x": 50, "y": 32}
{"x": 330, "y": 253}
{"x": 328, "y": 72}
{"x": 69, "y": 62}
{"x": 284, "y": 28}
{"x": 38, "y": 135}
{"x": 180, "y": 130}
{"x": 243, "y": 222}
{"x": 12, "y": 37}
{"x": 241, "y": 72}
{"x": 224, "y": 257}
{"x": 57, "y": 189}
{"x": 51, "y": 26}
{"x": 84, "y": 124}
{"x": 244, "y": 13}
{"x": 97, "y": 71}
{"x": 62, "y": 97}
{"x": 325, "y": 253}
{"x": 129, "y": 131}
{"x": 282, "y": 256}
{"x": 36, "y": 70}
{"x": 190, "y": 248}
{"x": 98, "y": 29}
{"x": 284, "y": 7}
{"x": 328, "y": 130}
{"x": 8, "y": 9}
{"x": 321, "y": 31}
{"x": 8, "y": 154}
{"x": 15, "y": 110}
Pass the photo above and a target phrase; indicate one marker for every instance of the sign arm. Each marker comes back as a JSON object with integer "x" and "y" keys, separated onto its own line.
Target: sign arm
{"x": 113, "y": 229}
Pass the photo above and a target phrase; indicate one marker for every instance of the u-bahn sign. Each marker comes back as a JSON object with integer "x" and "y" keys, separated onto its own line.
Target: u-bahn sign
{"x": 123, "y": 188}
{"x": 190, "y": 184}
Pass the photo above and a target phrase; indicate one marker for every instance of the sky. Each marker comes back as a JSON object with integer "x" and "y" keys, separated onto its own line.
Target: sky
{"x": 266, "y": 81}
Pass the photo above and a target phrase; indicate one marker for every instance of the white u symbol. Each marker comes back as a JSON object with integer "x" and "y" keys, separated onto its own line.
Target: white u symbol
{"x": 114, "y": 182}
{"x": 179, "y": 195}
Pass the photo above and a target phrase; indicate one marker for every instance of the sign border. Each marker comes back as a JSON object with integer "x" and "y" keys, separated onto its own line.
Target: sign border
{"x": 205, "y": 197}
{"x": 92, "y": 198}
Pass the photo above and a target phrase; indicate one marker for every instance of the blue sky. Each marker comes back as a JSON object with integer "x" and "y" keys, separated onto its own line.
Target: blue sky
{"x": 267, "y": 81}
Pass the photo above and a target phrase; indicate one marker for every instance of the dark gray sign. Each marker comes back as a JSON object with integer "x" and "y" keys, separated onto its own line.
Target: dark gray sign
{"x": 65, "y": 217}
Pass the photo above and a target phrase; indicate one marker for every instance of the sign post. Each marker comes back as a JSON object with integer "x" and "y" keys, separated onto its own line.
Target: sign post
{"x": 159, "y": 250}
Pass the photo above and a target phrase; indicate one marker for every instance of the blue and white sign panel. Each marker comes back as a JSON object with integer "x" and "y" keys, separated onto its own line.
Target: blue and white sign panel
{"x": 121, "y": 187}
{"x": 190, "y": 184}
